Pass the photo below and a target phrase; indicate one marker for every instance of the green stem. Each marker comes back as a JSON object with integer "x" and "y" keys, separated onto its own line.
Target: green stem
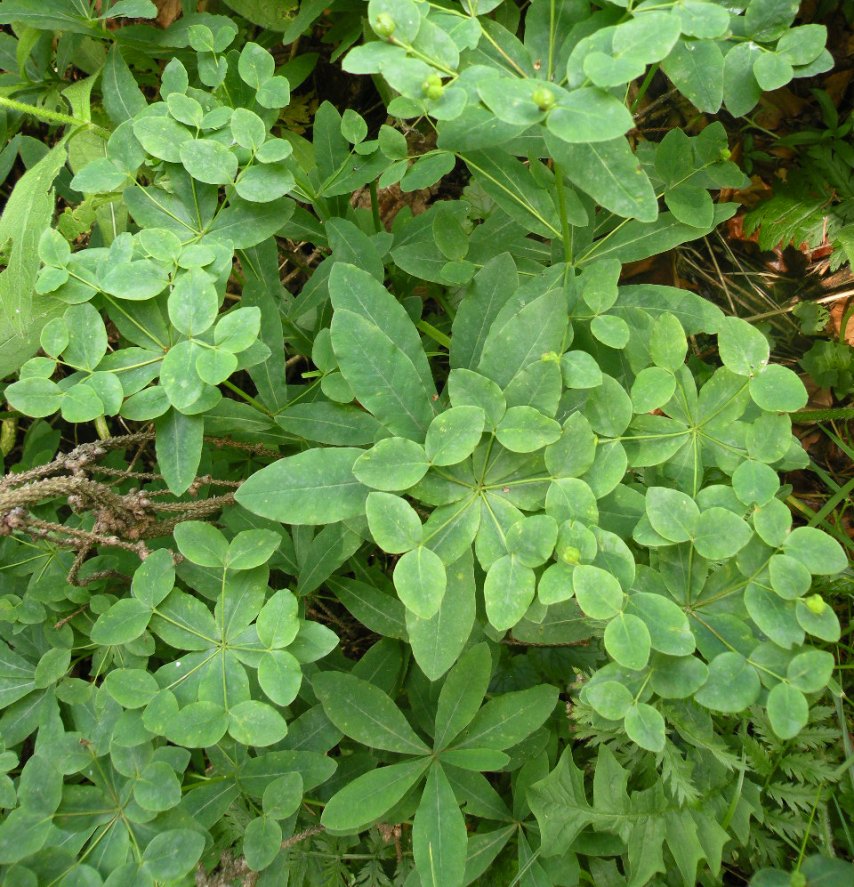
{"x": 653, "y": 70}
{"x": 248, "y": 398}
{"x": 375, "y": 206}
{"x": 49, "y": 116}
{"x": 566, "y": 236}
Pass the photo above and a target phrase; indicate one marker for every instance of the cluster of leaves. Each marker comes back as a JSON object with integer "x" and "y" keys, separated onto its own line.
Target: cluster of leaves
{"x": 814, "y": 207}
{"x": 530, "y": 486}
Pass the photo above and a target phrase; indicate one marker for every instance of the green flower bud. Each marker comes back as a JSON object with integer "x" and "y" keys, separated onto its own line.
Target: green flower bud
{"x": 815, "y": 604}
{"x": 798, "y": 879}
{"x": 384, "y": 25}
{"x": 433, "y": 88}
{"x": 570, "y": 555}
{"x": 725, "y": 153}
{"x": 544, "y": 98}
{"x": 8, "y": 435}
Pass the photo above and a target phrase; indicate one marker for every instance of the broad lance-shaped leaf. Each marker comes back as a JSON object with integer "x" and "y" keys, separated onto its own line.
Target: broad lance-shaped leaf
{"x": 25, "y": 217}
{"x": 370, "y": 795}
{"x": 462, "y": 693}
{"x": 506, "y": 720}
{"x": 379, "y": 352}
{"x": 364, "y": 713}
{"x": 436, "y": 642}
{"x": 610, "y": 173}
{"x": 439, "y": 838}
{"x": 313, "y": 487}
{"x": 522, "y": 337}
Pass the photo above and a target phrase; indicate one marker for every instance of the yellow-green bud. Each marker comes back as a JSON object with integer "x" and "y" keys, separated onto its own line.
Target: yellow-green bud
{"x": 433, "y": 88}
{"x": 384, "y": 25}
{"x": 8, "y": 429}
{"x": 543, "y": 98}
{"x": 570, "y": 554}
{"x": 725, "y": 153}
{"x": 815, "y": 604}
{"x": 798, "y": 879}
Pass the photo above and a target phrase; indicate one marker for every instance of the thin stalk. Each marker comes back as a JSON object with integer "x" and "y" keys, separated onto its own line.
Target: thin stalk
{"x": 375, "y": 206}
{"x": 247, "y": 397}
{"x": 566, "y": 235}
{"x": 653, "y": 70}
{"x": 49, "y": 116}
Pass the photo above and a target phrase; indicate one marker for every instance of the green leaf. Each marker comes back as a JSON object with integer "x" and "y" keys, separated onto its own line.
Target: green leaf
{"x": 772, "y": 71}
{"x": 788, "y": 710}
{"x": 34, "y": 396}
{"x": 379, "y": 352}
{"x": 673, "y": 514}
{"x": 507, "y": 719}
{"x": 161, "y": 137}
{"x": 372, "y": 794}
{"x": 490, "y": 290}
{"x": 508, "y": 591}
{"x": 243, "y": 224}
{"x": 588, "y": 115}
{"x": 462, "y": 693}
{"x": 476, "y": 759}
{"x": 395, "y": 463}
{"x": 122, "y": 97}
{"x": 610, "y": 699}
{"x": 201, "y": 542}
{"x": 393, "y": 522}
{"x": 720, "y": 534}
{"x": 208, "y": 161}
{"x": 171, "y": 854}
{"x": 811, "y": 670}
{"x": 262, "y": 841}
{"x": 251, "y": 548}
{"x": 789, "y": 577}
{"x": 778, "y": 389}
{"x": 598, "y": 593}
{"x": 26, "y": 215}
{"x": 732, "y": 685}
{"x": 696, "y": 69}
{"x": 580, "y": 370}
{"x": 468, "y": 388}
{"x": 313, "y": 487}
{"x": 627, "y": 640}
{"x": 131, "y": 687}
{"x": 816, "y": 617}
{"x": 742, "y": 347}
{"x": 158, "y": 788}
{"x": 818, "y": 552}
{"x": 280, "y": 676}
{"x": 331, "y": 423}
{"x": 453, "y": 434}
{"x": 532, "y": 539}
{"x": 677, "y": 678}
{"x": 364, "y": 713}
{"x": 179, "y": 448}
{"x": 524, "y": 429}
{"x": 766, "y": 20}
{"x": 255, "y": 723}
{"x": 522, "y": 333}
{"x": 283, "y": 796}
{"x": 125, "y": 621}
{"x": 669, "y": 629}
{"x": 645, "y": 726}
{"x": 439, "y": 838}
{"x": 420, "y": 580}
{"x": 667, "y": 343}
{"x": 193, "y": 302}
{"x": 609, "y": 172}
{"x": 197, "y": 725}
